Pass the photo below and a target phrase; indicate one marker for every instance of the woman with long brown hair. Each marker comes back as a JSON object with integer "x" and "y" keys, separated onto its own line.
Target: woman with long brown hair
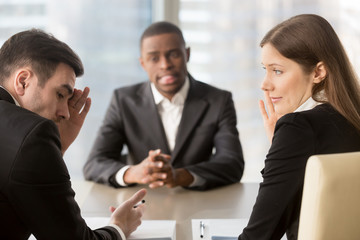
{"x": 313, "y": 96}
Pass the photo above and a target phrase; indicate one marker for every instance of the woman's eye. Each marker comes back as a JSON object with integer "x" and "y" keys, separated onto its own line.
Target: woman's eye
{"x": 277, "y": 72}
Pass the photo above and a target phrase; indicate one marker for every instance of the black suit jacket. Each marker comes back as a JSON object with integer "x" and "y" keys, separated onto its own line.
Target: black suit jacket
{"x": 35, "y": 189}
{"x": 297, "y": 136}
{"x": 208, "y": 122}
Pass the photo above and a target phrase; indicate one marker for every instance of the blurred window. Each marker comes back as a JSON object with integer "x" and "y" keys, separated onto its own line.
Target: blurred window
{"x": 224, "y": 38}
{"x": 105, "y": 34}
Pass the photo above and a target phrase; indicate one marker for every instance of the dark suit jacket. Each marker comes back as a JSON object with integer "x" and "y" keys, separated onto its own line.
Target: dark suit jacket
{"x": 35, "y": 188}
{"x": 297, "y": 136}
{"x": 208, "y": 121}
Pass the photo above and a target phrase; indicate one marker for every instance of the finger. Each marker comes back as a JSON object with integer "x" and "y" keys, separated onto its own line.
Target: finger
{"x": 146, "y": 179}
{"x": 157, "y": 164}
{"x": 153, "y": 154}
{"x": 137, "y": 197}
{"x": 263, "y": 110}
{"x": 153, "y": 177}
{"x": 156, "y": 184}
{"x": 75, "y": 97}
{"x": 163, "y": 157}
{"x": 81, "y": 98}
{"x": 165, "y": 168}
{"x": 86, "y": 108}
{"x": 112, "y": 209}
{"x": 148, "y": 170}
{"x": 141, "y": 209}
{"x": 170, "y": 185}
{"x": 158, "y": 176}
{"x": 269, "y": 104}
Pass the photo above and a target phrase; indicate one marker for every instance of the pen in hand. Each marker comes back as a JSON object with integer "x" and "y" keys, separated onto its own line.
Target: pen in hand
{"x": 202, "y": 228}
{"x": 139, "y": 203}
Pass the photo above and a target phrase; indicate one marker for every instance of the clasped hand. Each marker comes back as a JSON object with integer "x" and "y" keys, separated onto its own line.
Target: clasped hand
{"x": 155, "y": 170}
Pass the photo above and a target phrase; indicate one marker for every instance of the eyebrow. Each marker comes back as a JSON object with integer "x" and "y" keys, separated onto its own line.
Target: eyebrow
{"x": 157, "y": 52}
{"x": 273, "y": 64}
{"x": 68, "y": 88}
{"x": 152, "y": 53}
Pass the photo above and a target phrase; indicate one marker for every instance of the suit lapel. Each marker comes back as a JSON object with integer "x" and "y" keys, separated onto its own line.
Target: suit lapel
{"x": 194, "y": 108}
{"x": 4, "y": 95}
{"x": 147, "y": 111}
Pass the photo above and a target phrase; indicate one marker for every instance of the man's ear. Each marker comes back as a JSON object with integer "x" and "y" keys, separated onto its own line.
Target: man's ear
{"x": 22, "y": 80}
{"x": 187, "y": 54}
{"x": 141, "y": 60}
{"x": 320, "y": 72}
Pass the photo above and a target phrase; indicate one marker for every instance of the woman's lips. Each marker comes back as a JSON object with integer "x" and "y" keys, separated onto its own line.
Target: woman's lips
{"x": 275, "y": 99}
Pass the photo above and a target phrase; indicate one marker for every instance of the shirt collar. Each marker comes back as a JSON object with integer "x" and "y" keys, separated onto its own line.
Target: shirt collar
{"x": 16, "y": 102}
{"x": 179, "y": 98}
{"x": 307, "y": 105}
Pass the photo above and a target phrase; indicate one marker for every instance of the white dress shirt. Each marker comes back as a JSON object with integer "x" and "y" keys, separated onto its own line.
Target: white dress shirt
{"x": 307, "y": 105}
{"x": 170, "y": 112}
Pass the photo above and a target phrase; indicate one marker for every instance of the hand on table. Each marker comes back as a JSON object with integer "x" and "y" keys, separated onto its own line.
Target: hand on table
{"x": 166, "y": 175}
{"x": 150, "y": 170}
{"x": 157, "y": 171}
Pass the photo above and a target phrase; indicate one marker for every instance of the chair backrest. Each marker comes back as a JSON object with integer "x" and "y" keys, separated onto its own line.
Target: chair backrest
{"x": 330, "y": 207}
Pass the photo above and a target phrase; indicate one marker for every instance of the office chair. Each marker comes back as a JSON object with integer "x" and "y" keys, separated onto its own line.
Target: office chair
{"x": 331, "y": 198}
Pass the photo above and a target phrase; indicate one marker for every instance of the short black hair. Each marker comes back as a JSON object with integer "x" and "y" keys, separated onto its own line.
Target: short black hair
{"x": 162, "y": 27}
{"x": 40, "y": 50}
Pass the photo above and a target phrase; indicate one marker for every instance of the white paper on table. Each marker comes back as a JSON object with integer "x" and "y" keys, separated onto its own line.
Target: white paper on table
{"x": 149, "y": 229}
{"x": 220, "y": 227}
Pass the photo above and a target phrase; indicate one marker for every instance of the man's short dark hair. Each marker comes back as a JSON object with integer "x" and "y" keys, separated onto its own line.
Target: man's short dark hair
{"x": 163, "y": 27}
{"x": 39, "y": 50}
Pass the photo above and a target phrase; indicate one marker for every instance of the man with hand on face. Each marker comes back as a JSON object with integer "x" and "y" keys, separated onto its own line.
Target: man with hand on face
{"x": 40, "y": 116}
{"x": 178, "y": 131}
